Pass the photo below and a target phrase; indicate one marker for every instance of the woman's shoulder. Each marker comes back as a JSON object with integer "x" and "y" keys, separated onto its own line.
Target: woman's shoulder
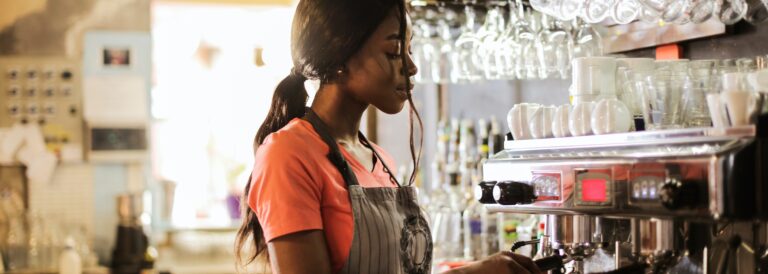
{"x": 294, "y": 139}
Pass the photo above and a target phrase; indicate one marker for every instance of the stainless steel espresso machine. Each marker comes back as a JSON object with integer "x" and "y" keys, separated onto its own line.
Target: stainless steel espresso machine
{"x": 668, "y": 201}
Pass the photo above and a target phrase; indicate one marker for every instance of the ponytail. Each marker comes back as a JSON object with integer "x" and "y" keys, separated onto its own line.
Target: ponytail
{"x": 288, "y": 102}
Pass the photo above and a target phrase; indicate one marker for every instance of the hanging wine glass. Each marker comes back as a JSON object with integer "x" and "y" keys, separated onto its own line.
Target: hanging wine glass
{"x": 508, "y": 44}
{"x": 588, "y": 41}
{"x": 625, "y": 11}
{"x": 675, "y": 11}
{"x": 489, "y": 34}
{"x": 701, "y": 11}
{"x": 731, "y": 11}
{"x": 466, "y": 44}
{"x": 595, "y": 11}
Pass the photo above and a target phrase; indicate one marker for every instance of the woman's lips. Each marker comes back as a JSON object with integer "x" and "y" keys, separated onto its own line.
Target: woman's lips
{"x": 402, "y": 87}
{"x": 402, "y": 93}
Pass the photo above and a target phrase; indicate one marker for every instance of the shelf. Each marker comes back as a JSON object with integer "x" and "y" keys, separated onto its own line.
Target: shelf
{"x": 632, "y": 139}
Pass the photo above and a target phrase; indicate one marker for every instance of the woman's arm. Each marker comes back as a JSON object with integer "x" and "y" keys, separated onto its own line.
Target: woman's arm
{"x": 299, "y": 253}
{"x": 503, "y": 262}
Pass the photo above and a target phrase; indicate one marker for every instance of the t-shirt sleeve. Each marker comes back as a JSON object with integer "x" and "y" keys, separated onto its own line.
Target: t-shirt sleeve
{"x": 283, "y": 195}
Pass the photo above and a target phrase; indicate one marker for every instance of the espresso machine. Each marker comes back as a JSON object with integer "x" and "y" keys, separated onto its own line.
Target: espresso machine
{"x": 667, "y": 201}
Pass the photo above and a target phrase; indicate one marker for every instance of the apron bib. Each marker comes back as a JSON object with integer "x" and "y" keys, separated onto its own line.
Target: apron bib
{"x": 391, "y": 234}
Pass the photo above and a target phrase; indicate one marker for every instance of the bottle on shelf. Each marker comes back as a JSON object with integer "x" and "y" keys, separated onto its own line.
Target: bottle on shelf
{"x": 69, "y": 259}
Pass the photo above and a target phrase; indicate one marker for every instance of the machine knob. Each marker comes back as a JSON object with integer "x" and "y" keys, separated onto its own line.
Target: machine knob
{"x": 484, "y": 193}
{"x": 677, "y": 194}
{"x": 513, "y": 193}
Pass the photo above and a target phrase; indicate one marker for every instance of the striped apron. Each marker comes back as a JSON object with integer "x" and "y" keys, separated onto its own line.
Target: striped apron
{"x": 391, "y": 234}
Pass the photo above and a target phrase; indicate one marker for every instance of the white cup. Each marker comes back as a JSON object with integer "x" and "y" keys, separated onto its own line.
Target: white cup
{"x": 610, "y": 116}
{"x": 580, "y": 119}
{"x": 758, "y": 80}
{"x": 735, "y": 82}
{"x": 716, "y": 110}
{"x": 560, "y": 121}
{"x": 541, "y": 122}
{"x": 518, "y": 120}
{"x": 739, "y": 107}
{"x": 593, "y": 77}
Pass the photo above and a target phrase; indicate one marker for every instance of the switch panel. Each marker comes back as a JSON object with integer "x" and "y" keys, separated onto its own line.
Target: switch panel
{"x": 644, "y": 186}
{"x": 546, "y": 185}
{"x": 47, "y": 91}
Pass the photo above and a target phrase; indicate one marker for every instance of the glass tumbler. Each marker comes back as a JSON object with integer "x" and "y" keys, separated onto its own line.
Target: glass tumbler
{"x": 699, "y": 82}
{"x": 662, "y": 96}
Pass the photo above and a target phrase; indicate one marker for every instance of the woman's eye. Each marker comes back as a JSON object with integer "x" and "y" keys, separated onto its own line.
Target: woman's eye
{"x": 393, "y": 55}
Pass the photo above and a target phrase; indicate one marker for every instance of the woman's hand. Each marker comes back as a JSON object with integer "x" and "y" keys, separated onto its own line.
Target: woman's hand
{"x": 504, "y": 262}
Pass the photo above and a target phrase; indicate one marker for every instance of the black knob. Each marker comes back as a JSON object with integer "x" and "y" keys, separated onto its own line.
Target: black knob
{"x": 484, "y": 193}
{"x": 550, "y": 263}
{"x": 66, "y": 75}
{"x": 513, "y": 193}
{"x": 677, "y": 194}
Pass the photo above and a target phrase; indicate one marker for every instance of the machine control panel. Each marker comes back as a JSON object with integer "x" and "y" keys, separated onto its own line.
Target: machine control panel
{"x": 513, "y": 193}
{"x": 645, "y": 189}
{"x": 45, "y": 91}
{"x": 680, "y": 194}
{"x": 546, "y": 185}
{"x": 594, "y": 187}
{"x": 484, "y": 192}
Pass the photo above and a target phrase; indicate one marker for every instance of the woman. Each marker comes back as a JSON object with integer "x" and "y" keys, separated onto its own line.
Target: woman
{"x": 321, "y": 198}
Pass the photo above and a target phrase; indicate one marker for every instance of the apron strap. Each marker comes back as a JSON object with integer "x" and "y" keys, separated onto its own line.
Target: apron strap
{"x": 367, "y": 144}
{"x": 334, "y": 154}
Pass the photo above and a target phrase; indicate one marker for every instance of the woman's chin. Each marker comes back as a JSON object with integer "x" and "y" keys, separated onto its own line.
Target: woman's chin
{"x": 394, "y": 108}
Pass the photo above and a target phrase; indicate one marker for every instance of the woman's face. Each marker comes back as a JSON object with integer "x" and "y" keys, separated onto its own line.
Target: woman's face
{"x": 374, "y": 74}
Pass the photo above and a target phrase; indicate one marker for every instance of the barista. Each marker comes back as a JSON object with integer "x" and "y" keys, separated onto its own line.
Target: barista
{"x": 322, "y": 198}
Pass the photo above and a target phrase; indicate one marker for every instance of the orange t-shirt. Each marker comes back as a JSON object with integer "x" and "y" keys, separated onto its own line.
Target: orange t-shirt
{"x": 295, "y": 188}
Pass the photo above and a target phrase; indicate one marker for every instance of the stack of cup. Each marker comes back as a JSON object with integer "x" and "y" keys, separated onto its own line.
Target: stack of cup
{"x": 627, "y": 69}
{"x": 662, "y": 93}
{"x": 596, "y": 108}
{"x": 701, "y": 80}
{"x": 593, "y": 79}
{"x": 737, "y": 104}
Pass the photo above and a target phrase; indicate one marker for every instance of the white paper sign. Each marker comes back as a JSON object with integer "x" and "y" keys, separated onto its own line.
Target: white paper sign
{"x": 115, "y": 99}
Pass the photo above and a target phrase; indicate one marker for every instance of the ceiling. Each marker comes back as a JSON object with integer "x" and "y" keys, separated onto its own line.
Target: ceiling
{"x": 233, "y": 2}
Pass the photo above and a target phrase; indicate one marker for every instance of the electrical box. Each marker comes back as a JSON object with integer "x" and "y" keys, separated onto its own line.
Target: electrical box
{"x": 46, "y": 91}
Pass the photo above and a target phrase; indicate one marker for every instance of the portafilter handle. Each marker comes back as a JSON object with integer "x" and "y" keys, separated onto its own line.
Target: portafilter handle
{"x": 554, "y": 262}
{"x": 635, "y": 268}
{"x": 517, "y": 245}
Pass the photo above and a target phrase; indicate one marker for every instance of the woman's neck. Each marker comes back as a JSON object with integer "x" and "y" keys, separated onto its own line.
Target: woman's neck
{"x": 340, "y": 112}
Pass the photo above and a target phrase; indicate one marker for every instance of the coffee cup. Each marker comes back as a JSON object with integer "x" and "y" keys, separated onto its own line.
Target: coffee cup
{"x": 518, "y": 120}
{"x": 610, "y": 116}
{"x": 560, "y": 121}
{"x": 739, "y": 107}
{"x": 541, "y": 122}
{"x": 580, "y": 119}
{"x": 716, "y": 110}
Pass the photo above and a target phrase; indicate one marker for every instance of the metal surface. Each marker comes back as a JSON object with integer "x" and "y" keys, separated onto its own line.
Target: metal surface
{"x": 643, "y": 139}
{"x": 623, "y": 175}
